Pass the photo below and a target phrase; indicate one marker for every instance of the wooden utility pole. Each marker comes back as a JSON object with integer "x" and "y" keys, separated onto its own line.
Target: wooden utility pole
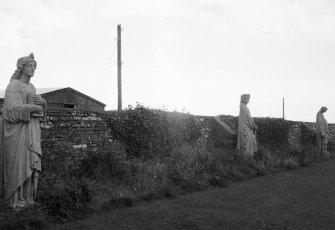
{"x": 119, "y": 63}
{"x": 283, "y": 108}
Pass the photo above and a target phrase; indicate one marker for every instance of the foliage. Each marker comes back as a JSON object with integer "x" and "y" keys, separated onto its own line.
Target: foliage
{"x": 189, "y": 167}
{"x": 106, "y": 163}
{"x": 62, "y": 191}
{"x": 156, "y": 154}
{"x": 273, "y": 133}
{"x": 148, "y": 133}
{"x": 30, "y": 218}
{"x": 65, "y": 197}
{"x": 290, "y": 163}
{"x": 137, "y": 129}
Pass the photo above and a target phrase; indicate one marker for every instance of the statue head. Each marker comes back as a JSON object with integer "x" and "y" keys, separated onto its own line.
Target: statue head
{"x": 245, "y": 98}
{"x": 323, "y": 109}
{"x": 26, "y": 65}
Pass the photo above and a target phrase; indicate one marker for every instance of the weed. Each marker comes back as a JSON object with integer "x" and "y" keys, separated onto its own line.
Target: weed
{"x": 28, "y": 218}
{"x": 290, "y": 163}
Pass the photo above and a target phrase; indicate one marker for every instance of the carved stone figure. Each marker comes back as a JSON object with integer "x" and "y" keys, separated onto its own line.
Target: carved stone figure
{"x": 246, "y": 138}
{"x": 322, "y": 131}
{"x": 20, "y": 148}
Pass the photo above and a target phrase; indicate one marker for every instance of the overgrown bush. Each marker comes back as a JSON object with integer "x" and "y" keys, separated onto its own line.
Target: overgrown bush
{"x": 273, "y": 133}
{"x": 148, "y": 133}
{"x": 188, "y": 168}
{"x": 63, "y": 191}
{"x": 65, "y": 197}
{"x": 109, "y": 162}
{"x": 137, "y": 129}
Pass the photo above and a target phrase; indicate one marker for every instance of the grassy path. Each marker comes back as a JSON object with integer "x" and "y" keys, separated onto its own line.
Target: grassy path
{"x": 301, "y": 199}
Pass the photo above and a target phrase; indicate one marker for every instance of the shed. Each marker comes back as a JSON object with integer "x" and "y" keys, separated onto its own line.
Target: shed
{"x": 65, "y": 98}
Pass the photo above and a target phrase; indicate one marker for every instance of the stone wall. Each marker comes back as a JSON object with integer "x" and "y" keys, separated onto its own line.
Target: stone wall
{"x": 76, "y": 129}
{"x": 298, "y": 134}
{"x": 87, "y": 130}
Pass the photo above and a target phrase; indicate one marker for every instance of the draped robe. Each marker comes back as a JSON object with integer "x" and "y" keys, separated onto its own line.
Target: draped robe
{"x": 20, "y": 149}
{"x": 321, "y": 132}
{"x": 246, "y": 139}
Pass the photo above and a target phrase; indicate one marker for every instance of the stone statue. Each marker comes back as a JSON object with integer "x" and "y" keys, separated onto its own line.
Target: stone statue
{"x": 322, "y": 131}
{"x": 20, "y": 148}
{"x": 246, "y": 138}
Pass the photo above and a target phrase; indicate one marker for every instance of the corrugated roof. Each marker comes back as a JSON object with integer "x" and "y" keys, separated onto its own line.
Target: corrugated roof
{"x": 75, "y": 91}
{"x": 47, "y": 90}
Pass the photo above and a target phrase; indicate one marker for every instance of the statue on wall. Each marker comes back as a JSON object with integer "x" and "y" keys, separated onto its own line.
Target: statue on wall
{"x": 246, "y": 136}
{"x": 322, "y": 131}
{"x": 20, "y": 150}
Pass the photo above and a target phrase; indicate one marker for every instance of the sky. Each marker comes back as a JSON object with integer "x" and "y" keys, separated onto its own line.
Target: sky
{"x": 196, "y": 56}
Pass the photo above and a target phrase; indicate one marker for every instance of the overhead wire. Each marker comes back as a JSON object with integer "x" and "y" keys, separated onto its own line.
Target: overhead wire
{"x": 105, "y": 68}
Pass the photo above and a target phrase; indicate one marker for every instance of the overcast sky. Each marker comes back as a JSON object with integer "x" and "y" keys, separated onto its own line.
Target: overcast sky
{"x": 193, "y": 55}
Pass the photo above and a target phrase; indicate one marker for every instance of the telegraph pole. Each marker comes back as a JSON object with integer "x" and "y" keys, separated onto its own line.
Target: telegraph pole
{"x": 283, "y": 108}
{"x": 119, "y": 63}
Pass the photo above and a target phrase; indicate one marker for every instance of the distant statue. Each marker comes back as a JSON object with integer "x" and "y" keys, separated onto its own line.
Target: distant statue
{"x": 20, "y": 148}
{"x": 246, "y": 136}
{"x": 322, "y": 131}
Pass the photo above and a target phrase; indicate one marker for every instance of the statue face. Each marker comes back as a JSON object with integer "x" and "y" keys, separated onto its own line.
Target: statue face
{"x": 29, "y": 69}
{"x": 245, "y": 100}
